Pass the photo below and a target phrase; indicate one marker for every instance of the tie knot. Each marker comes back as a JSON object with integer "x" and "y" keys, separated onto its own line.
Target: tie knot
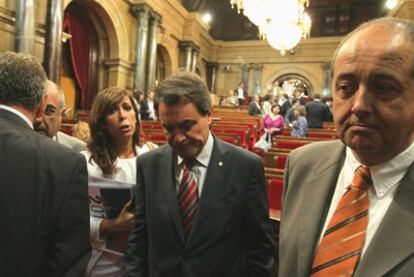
{"x": 362, "y": 177}
{"x": 189, "y": 163}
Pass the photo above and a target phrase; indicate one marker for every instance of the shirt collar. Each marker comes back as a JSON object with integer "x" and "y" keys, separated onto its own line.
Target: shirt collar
{"x": 16, "y": 112}
{"x": 204, "y": 157}
{"x": 387, "y": 175}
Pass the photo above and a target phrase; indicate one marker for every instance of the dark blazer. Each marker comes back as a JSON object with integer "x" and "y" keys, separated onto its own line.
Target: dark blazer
{"x": 317, "y": 112}
{"x": 231, "y": 235}
{"x": 43, "y": 204}
{"x": 144, "y": 109}
{"x": 309, "y": 187}
{"x": 253, "y": 109}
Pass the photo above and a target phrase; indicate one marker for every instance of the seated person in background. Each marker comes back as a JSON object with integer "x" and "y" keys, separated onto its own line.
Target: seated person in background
{"x": 113, "y": 148}
{"x": 300, "y": 125}
{"x": 254, "y": 106}
{"x": 274, "y": 122}
{"x": 81, "y": 131}
{"x": 231, "y": 100}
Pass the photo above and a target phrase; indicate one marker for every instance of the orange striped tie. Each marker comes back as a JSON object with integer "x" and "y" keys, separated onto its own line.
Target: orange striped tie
{"x": 340, "y": 248}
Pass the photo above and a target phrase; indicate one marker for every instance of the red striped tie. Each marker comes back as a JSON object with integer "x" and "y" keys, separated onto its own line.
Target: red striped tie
{"x": 340, "y": 248}
{"x": 188, "y": 196}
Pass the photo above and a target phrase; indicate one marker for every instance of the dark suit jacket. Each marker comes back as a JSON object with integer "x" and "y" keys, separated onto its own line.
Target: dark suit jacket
{"x": 317, "y": 112}
{"x": 253, "y": 109}
{"x": 231, "y": 235}
{"x": 43, "y": 204}
{"x": 309, "y": 187}
{"x": 144, "y": 110}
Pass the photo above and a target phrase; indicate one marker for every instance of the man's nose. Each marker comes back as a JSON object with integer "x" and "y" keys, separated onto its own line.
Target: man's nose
{"x": 362, "y": 102}
{"x": 178, "y": 137}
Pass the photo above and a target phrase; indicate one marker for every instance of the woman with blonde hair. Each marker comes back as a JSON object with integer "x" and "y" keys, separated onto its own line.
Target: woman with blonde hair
{"x": 113, "y": 148}
{"x": 300, "y": 125}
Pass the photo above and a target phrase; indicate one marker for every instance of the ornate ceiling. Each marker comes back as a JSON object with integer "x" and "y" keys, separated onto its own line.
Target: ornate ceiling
{"x": 329, "y": 17}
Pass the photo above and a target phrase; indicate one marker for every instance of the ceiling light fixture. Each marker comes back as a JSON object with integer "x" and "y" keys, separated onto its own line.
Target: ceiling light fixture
{"x": 282, "y": 22}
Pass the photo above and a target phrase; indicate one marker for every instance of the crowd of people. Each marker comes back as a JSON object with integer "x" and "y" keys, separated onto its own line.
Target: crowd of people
{"x": 197, "y": 206}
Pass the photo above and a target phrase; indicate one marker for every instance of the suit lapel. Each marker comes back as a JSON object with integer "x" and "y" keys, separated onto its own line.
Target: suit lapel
{"x": 395, "y": 234}
{"x": 169, "y": 159}
{"x": 316, "y": 201}
{"x": 215, "y": 171}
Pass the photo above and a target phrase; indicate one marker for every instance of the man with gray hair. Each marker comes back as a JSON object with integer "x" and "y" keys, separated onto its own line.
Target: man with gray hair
{"x": 43, "y": 189}
{"x": 206, "y": 214}
{"x": 51, "y": 120}
{"x": 348, "y": 206}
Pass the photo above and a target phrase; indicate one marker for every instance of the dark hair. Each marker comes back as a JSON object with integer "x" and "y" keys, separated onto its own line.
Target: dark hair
{"x": 181, "y": 86}
{"x": 400, "y": 26}
{"x": 267, "y": 97}
{"x": 22, "y": 80}
{"x": 104, "y": 149}
{"x": 276, "y": 105}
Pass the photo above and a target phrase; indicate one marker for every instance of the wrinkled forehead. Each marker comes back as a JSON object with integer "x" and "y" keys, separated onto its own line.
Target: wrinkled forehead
{"x": 380, "y": 41}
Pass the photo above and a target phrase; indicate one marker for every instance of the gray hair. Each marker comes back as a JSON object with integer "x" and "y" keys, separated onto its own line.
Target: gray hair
{"x": 184, "y": 85}
{"x": 22, "y": 80}
{"x": 59, "y": 91}
{"x": 403, "y": 26}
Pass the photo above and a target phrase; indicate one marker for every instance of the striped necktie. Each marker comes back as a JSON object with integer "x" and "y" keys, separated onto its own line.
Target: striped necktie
{"x": 188, "y": 196}
{"x": 340, "y": 248}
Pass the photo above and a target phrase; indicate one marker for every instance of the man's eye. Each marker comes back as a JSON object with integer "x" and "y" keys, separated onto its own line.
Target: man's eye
{"x": 187, "y": 126}
{"x": 50, "y": 112}
{"x": 344, "y": 88}
{"x": 168, "y": 129}
{"x": 383, "y": 88}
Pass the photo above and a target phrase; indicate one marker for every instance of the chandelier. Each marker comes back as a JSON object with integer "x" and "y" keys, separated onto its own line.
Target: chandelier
{"x": 282, "y": 22}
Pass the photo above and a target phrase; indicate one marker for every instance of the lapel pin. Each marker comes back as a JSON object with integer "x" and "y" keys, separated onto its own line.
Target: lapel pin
{"x": 220, "y": 163}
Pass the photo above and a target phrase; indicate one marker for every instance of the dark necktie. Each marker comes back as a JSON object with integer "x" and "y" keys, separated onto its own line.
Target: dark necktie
{"x": 188, "y": 196}
{"x": 340, "y": 248}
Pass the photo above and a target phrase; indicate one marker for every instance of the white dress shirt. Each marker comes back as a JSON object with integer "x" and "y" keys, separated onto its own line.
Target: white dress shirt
{"x": 200, "y": 168}
{"x": 386, "y": 178}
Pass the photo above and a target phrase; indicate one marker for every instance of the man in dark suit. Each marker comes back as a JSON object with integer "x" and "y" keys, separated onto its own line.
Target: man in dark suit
{"x": 43, "y": 185}
{"x": 217, "y": 225}
{"x": 147, "y": 107}
{"x": 317, "y": 112}
{"x": 348, "y": 206}
{"x": 254, "y": 106}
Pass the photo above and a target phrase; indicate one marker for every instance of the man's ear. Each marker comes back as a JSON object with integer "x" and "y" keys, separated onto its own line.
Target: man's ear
{"x": 41, "y": 109}
{"x": 210, "y": 116}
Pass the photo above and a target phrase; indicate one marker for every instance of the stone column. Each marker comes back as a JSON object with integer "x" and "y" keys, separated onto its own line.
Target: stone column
{"x": 53, "y": 42}
{"x": 196, "y": 50}
{"x": 25, "y": 27}
{"x": 326, "y": 90}
{"x": 187, "y": 47}
{"x": 257, "y": 78}
{"x": 211, "y": 73}
{"x": 245, "y": 75}
{"x": 141, "y": 12}
{"x": 155, "y": 19}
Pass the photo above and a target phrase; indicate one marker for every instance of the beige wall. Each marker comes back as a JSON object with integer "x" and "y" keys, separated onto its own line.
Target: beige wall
{"x": 307, "y": 60}
{"x": 117, "y": 29}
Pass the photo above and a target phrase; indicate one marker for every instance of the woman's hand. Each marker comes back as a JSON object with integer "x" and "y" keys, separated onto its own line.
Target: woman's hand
{"x": 123, "y": 222}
